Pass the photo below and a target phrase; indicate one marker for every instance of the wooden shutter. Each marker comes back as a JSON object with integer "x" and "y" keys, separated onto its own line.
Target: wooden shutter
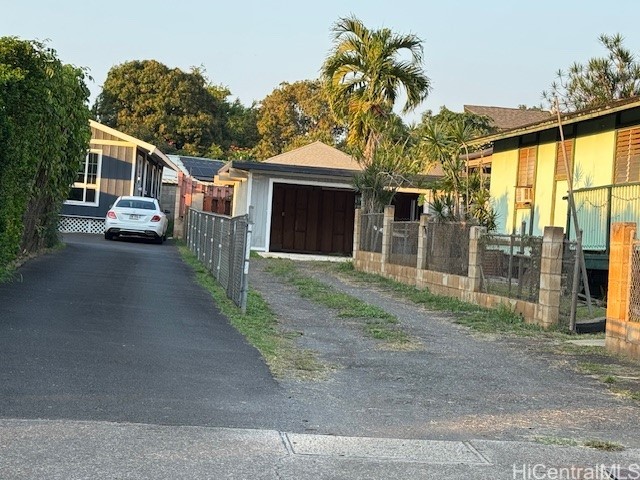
{"x": 627, "y": 166}
{"x": 561, "y": 172}
{"x": 526, "y": 166}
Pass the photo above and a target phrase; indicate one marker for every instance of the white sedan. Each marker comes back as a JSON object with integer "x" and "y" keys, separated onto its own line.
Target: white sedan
{"x": 136, "y": 217}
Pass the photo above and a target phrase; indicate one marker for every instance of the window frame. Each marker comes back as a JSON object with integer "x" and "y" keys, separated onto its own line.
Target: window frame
{"x": 631, "y": 158}
{"x": 569, "y": 147}
{"x": 530, "y": 185}
{"x": 84, "y": 185}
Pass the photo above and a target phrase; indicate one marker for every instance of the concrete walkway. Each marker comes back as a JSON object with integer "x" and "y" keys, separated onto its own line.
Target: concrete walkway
{"x": 67, "y": 450}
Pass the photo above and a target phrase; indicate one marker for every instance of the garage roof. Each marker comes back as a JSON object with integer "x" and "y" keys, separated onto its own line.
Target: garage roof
{"x": 316, "y": 154}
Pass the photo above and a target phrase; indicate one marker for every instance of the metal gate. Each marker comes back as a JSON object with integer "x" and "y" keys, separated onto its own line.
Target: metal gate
{"x": 222, "y": 244}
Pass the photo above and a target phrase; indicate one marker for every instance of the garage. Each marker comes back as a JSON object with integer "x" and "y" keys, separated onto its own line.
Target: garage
{"x": 312, "y": 219}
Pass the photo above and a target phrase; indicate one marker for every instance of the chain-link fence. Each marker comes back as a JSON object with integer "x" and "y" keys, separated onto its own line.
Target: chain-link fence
{"x": 634, "y": 287}
{"x": 371, "y": 232}
{"x": 511, "y": 265}
{"x": 221, "y": 244}
{"x": 447, "y": 247}
{"x": 566, "y": 282}
{"x": 404, "y": 243}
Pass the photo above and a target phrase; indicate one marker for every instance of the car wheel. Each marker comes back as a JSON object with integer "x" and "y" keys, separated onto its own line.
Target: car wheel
{"x": 108, "y": 236}
{"x": 158, "y": 240}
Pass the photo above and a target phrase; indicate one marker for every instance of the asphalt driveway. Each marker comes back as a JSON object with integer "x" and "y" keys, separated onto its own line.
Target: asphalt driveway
{"x": 119, "y": 331}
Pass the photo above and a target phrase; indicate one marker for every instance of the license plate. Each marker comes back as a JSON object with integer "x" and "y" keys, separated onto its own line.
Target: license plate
{"x": 134, "y": 217}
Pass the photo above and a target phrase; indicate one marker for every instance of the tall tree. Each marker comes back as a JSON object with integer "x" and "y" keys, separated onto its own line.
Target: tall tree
{"x": 295, "y": 114}
{"x": 237, "y": 132}
{"x": 601, "y": 80}
{"x": 167, "y": 107}
{"x": 366, "y": 73}
{"x": 444, "y": 138}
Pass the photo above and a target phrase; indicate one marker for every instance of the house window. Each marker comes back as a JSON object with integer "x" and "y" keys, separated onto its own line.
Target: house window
{"x": 627, "y": 165}
{"x": 526, "y": 175}
{"x": 561, "y": 171}
{"x": 86, "y": 188}
{"x": 526, "y": 166}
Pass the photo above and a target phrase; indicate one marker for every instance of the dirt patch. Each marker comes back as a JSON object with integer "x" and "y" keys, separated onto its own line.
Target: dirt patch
{"x": 457, "y": 385}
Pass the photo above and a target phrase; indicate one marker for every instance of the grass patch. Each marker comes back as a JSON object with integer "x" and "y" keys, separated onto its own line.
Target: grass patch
{"x": 378, "y": 324}
{"x": 593, "y": 368}
{"x": 604, "y": 445}
{"x": 259, "y": 325}
{"x": 559, "y": 441}
{"x": 570, "y": 442}
{"x": 481, "y": 319}
{"x": 627, "y": 393}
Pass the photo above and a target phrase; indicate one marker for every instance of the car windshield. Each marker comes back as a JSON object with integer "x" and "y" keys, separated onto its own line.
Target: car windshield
{"x": 129, "y": 203}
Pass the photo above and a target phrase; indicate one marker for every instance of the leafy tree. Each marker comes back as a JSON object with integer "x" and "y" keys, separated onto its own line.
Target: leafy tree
{"x": 601, "y": 80}
{"x": 170, "y": 108}
{"x": 444, "y": 138}
{"x": 394, "y": 164}
{"x": 241, "y": 130}
{"x": 44, "y": 132}
{"x": 365, "y": 74}
{"x": 237, "y": 133}
{"x": 293, "y": 115}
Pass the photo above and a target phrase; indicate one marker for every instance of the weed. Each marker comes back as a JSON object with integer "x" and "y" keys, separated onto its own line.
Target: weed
{"x": 627, "y": 393}
{"x": 259, "y": 326}
{"x": 379, "y": 324}
{"x": 567, "y": 442}
{"x": 605, "y": 446}
{"x": 484, "y": 320}
{"x": 593, "y": 368}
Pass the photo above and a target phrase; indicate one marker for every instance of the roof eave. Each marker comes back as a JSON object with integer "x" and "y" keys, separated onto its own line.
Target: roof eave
{"x": 152, "y": 149}
{"x": 566, "y": 119}
{"x": 286, "y": 169}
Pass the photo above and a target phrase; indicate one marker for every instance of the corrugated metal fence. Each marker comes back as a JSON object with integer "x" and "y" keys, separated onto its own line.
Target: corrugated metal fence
{"x": 222, "y": 243}
{"x": 599, "y": 207}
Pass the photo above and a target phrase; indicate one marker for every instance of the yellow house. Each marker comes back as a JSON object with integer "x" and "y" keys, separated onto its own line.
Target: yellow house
{"x": 529, "y": 179}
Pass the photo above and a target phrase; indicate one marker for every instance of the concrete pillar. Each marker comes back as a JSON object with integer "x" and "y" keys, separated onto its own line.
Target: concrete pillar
{"x": 389, "y": 214}
{"x": 357, "y": 228}
{"x": 422, "y": 250}
{"x": 475, "y": 258}
{"x": 197, "y": 200}
{"x": 548, "y": 311}
{"x": 622, "y": 238}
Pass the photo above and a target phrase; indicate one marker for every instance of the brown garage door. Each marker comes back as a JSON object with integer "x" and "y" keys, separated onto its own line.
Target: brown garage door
{"x": 308, "y": 219}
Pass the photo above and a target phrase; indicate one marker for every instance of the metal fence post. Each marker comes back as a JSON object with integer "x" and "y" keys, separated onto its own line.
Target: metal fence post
{"x": 247, "y": 256}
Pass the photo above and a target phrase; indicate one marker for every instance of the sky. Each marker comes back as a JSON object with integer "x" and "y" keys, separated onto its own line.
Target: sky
{"x": 499, "y": 53}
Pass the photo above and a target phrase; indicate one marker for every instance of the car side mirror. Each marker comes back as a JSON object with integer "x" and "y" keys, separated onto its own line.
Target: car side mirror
{"x": 167, "y": 212}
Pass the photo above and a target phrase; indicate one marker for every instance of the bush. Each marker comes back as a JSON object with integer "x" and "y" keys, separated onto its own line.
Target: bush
{"x": 44, "y": 133}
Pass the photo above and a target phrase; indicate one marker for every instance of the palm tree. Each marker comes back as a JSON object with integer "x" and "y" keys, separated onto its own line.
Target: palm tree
{"x": 365, "y": 75}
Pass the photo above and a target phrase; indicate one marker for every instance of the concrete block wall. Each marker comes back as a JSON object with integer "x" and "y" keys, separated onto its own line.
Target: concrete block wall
{"x": 544, "y": 313}
{"x": 622, "y": 335}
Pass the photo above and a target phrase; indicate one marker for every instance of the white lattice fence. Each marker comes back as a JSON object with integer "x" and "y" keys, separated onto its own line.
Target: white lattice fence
{"x": 72, "y": 224}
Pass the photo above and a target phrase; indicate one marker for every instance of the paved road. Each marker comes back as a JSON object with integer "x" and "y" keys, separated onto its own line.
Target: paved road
{"x": 114, "y": 364}
{"x": 119, "y": 331}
